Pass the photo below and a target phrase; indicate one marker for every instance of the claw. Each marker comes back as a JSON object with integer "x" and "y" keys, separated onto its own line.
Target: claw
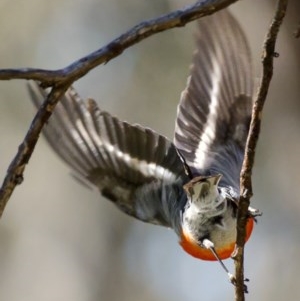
{"x": 252, "y": 212}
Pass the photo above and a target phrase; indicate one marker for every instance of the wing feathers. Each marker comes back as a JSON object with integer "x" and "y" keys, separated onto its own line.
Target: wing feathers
{"x": 124, "y": 161}
{"x": 140, "y": 170}
{"x": 215, "y": 108}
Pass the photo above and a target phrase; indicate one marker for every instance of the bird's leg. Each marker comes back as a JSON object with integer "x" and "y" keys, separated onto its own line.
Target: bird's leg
{"x": 208, "y": 244}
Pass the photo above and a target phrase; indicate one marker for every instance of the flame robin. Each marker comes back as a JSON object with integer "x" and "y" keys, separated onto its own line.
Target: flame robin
{"x": 191, "y": 184}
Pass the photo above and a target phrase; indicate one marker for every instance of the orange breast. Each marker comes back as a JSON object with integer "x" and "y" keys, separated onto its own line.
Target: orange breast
{"x": 191, "y": 246}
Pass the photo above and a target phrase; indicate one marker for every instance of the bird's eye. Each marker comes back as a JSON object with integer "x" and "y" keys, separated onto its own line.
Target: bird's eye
{"x": 218, "y": 220}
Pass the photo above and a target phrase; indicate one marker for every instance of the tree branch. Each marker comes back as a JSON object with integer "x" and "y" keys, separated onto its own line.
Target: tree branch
{"x": 268, "y": 55}
{"x": 103, "y": 55}
{"x": 61, "y": 79}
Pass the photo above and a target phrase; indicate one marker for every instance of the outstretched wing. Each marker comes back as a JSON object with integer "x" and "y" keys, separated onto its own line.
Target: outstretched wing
{"x": 131, "y": 165}
{"x": 215, "y": 108}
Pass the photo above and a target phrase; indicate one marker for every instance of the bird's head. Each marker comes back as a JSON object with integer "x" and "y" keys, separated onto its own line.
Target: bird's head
{"x": 203, "y": 195}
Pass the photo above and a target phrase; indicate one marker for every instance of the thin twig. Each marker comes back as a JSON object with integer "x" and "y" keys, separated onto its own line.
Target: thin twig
{"x": 103, "y": 55}
{"x": 61, "y": 79}
{"x": 16, "y": 168}
{"x": 246, "y": 184}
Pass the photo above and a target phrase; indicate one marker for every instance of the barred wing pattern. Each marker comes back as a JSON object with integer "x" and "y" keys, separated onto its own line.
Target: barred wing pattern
{"x": 131, "y": 165}
{"x": 215, "y": 108}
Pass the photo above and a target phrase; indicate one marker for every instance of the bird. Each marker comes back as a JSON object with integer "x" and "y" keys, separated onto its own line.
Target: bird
{"x": 191, "y": 183}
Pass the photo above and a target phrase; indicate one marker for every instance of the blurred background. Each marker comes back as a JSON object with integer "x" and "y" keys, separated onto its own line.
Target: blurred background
{"x": 60, "y": 241}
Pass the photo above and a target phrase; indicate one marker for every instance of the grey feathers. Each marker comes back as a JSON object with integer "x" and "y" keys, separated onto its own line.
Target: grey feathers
{"x": 118, "y": 158}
